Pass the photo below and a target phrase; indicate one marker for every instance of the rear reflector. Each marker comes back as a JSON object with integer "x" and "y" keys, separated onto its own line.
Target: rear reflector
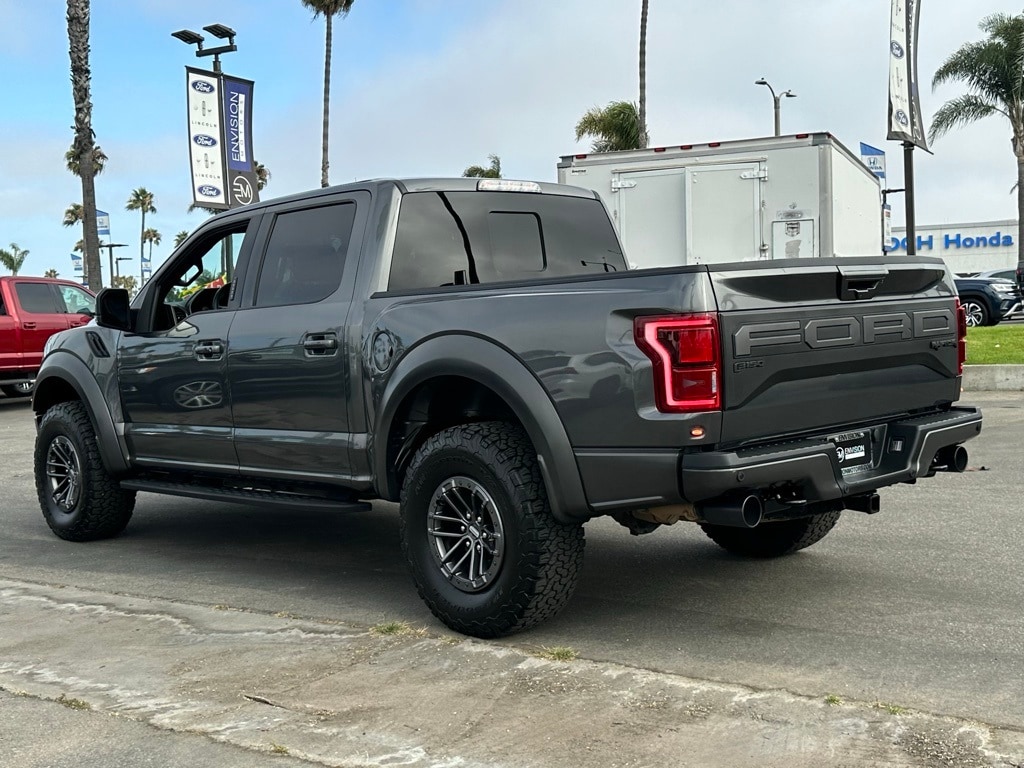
{"x": 961, "y": 336}
{"x": 687, "y": 364}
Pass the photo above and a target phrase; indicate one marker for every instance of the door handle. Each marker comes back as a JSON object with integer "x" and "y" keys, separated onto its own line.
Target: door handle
{"x": 209, "y": 350}
{"x": 28, "y": 326}
{"x": 320, "y": 344}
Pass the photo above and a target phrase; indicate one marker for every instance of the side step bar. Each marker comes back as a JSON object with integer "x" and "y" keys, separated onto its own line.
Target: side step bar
{"x": 245, "y": 495}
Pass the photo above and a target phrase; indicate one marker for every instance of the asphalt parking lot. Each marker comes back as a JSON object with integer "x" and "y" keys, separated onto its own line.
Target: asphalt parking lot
{"x": 917, "y": 612}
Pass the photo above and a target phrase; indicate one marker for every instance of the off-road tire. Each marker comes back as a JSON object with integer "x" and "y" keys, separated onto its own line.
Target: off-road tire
{"x": 98, "y": 508}
{"x": 540, "y": 558}
{"x": 773, "y": 539}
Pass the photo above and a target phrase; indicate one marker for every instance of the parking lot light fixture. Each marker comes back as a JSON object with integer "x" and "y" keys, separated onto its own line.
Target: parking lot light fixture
{"x": 777, "y": 99}
{"x": 219, "y": 31}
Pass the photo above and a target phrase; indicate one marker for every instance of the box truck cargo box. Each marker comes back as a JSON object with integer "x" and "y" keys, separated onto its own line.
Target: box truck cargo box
{"x": 801, "y": 196}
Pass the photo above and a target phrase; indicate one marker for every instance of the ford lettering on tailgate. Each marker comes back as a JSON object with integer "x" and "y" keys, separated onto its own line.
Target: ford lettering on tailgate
{"x": 827, "y": 332}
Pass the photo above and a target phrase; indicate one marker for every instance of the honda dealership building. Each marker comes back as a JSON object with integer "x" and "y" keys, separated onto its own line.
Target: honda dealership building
{"x": 974, "y": 247}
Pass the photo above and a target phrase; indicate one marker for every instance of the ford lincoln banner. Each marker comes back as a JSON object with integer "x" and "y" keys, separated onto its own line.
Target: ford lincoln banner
{"x": 241, "y": 170}
{"x": 905, "y": 122}
{"x": 209, "y": 182}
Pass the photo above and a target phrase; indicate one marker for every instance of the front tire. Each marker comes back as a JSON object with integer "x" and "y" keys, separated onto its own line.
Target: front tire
{"x": 79, "y": 498}
{"x": 485, "y": 553}
{"x": 773, "y": 539}
{"x": 21, "y": 389}
{"x": 977, "y": 313}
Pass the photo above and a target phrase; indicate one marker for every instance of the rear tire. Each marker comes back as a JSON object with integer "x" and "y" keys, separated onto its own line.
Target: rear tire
{"x": 79, "y": 498}
{"x": 773, "y": 539}
{"x": 485, "y": 553}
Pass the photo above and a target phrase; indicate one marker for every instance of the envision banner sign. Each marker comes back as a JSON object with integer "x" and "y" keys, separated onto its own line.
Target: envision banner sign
{"x": 220, "y": 139}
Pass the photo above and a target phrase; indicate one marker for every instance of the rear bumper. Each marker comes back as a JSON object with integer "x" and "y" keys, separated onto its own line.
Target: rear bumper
{"x": 902, "y": 451}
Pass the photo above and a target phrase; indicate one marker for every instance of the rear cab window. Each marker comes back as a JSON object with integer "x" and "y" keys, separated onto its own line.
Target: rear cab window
{"x": 467, "y": 238}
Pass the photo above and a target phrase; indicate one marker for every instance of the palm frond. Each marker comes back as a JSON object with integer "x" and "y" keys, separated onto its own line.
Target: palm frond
{"x": 959, "y": 112}
{"x": 614, "y": 127}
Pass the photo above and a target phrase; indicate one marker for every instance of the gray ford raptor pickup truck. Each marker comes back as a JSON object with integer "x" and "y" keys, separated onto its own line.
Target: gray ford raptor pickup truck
{"x": 478, "y": 352}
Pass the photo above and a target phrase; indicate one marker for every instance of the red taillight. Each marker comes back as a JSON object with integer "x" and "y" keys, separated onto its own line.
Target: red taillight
{"x": 961, "y": 338}
{"x": 687, "y": 363}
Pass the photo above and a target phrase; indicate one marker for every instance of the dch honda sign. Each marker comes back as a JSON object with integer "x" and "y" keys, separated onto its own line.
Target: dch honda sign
{"x": 220, "y": 139}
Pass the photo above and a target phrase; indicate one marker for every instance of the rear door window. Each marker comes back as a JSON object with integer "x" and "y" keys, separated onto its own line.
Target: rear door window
{"x": 305, "y": 256}
{"x": 459, "y": 238}
{"x": 37, "y": 298}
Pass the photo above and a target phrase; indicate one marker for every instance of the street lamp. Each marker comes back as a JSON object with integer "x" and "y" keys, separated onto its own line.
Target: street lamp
{"x": 778, "y": 103}
{"x": 219, "y": 31}
{"x": 117, "y": 264}
{"x": 110, "y": 254}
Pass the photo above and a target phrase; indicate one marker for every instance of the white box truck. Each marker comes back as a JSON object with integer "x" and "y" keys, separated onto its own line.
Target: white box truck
{"x": 796, "y": 196}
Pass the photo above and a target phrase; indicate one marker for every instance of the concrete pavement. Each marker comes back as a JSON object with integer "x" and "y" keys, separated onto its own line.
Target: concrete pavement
{"x": 249, "y": 637}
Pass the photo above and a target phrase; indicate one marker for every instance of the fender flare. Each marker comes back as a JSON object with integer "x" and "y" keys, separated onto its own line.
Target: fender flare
{"x": 70, "y": 370}
{"x": 492, "y": 366}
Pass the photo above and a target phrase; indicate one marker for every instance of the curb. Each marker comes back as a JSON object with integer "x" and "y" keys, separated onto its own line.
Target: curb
{"x": 1005, "y": 378}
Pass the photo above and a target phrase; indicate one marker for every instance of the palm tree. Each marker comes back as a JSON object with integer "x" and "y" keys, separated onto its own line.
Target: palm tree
{"x": 993, "y": 72}
{"x": 329, "y": 9}
{"x": 152, "y": 237}
{"x": 141, "y": 199}
{"x": 99, "y": 161}
{"x": 642, "y": 116}
{"x": 615, "y": 127}
{"x": 51, "y": 272}
{"x": 13, "y": 258}
{"x": 84, "y": 144}
{"x": 73, "y": 214}
{"x": 493, "y": 171}
{"x": 180, "y": 238}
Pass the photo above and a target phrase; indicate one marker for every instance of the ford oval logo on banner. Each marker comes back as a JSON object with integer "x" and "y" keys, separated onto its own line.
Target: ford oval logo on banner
{"x": 202, "y": 86}
{"x": 208, "y": 190}
{"x": 204, "y": 141}
{"x": 896, "y": 49}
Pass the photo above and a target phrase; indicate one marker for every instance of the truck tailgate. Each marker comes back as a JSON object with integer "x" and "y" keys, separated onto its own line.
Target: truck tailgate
{"x": 833, "y": 343}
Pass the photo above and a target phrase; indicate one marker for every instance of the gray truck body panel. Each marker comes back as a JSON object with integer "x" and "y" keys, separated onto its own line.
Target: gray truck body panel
{"x": 809, "y": 350}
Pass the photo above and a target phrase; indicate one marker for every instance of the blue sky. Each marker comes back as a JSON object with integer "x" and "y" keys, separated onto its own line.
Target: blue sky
{"x": 426, "y": 87}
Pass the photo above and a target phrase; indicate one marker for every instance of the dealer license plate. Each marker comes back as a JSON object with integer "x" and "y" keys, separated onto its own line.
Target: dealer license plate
{"x": 853, "y": 451}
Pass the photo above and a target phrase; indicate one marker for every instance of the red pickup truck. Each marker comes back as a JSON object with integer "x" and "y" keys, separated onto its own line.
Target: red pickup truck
{"x": 32, "y": 309}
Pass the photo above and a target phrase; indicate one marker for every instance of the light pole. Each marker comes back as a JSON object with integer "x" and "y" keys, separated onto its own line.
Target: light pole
{"x": 778, "y": 103}
{"x": 110, "y": 254}
{"x": 189, "y": 37}
{"x": 117, "y": 263}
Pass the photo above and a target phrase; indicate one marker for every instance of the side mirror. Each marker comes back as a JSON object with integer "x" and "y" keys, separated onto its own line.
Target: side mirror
{"x": 112, "y": 309}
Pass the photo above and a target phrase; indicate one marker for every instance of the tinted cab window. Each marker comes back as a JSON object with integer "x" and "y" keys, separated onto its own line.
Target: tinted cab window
{"x": 455, "y": 238}
{"x": 305, "y": 256}
{"x": 36, "y": 298}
